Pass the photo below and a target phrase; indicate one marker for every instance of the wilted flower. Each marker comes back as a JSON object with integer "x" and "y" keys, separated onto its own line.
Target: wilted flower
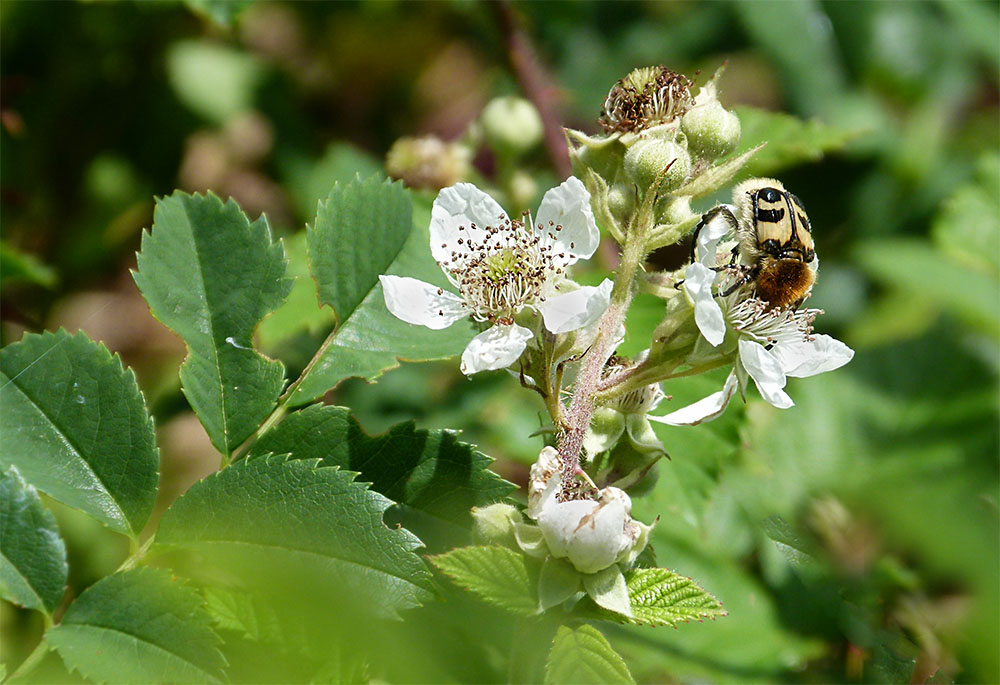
{"x": 501, "y": 266}
{"x": 646, "y": 97}
{"x": 427, "y": 162}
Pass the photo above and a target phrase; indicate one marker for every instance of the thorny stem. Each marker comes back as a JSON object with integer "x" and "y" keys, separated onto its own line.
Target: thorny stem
{"x": 582, "y": 406}
{"x": 535, "y": 83}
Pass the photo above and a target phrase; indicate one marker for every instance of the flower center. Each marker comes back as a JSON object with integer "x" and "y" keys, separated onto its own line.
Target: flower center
{"x": 500, "y": 269}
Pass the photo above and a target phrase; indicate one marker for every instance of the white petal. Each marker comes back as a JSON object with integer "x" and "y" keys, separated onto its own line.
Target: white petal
{"x": 698, "y": 280}
{"x": 822, "y": 354}
{"x": 421, "y": 303}
{"x": 576, "y": 309}
{"x": 568, "y": 205}
{"x": 765, "y": 369}
{"x": 705, "y": 409}
{"x": 495, "y": 348}
{"x": 463, "y": 204}
{"x": 714, "y": 230}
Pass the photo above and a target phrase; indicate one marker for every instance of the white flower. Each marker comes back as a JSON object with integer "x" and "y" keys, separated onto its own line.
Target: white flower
{"x": 592, "y": 529}
{"x": 771, "y": 343}
{"x": 501, "y": 266}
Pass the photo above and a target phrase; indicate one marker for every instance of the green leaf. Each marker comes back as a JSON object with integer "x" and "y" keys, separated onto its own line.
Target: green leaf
{"x": 222, "y": 12}
{"x": 581, "y": 656}
{"x": 662, "y": 597}
{"x": 428, "y": 472}
{"x": 32, "y": 555}
{"x": 75, "y": 424}
{"x": 790, "y": 140}
{"x": 301, "y": 312}
{"x": 309, "y": 181}
{"x": 717, "y": 176}
{"x": 362, "y": 230}
{"x": 211, "y": 276}
{"x": 287, "y": 524}
{"x": 966, "y": 227}
{"x": 215, "y": 80}
{"x": 140, "y": 626}
{"x": 496, "y": 575}
{"x": 17, "y": 266}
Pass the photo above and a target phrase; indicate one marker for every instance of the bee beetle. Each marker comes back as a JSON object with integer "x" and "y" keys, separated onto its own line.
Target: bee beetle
{"x": 775, "y": 245}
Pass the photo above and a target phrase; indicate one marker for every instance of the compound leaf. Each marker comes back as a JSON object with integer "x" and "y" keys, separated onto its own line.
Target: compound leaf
{"x": 211, "y": 276}
{"x": 75, "y": 424}
{"x": 32, "y": 555}
{"x": 364, "y": 229}
{"x": 288, "y": 524}
{"x": 429, "y": 474}
{"x": 495, "y": 574}
{"x": 140, "y": 626}
{"x": 581, "y": 656}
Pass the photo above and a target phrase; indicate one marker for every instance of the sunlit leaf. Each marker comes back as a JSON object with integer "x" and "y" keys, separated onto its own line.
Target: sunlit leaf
{"x": 582, "y": 655}
{"x": 76, "y": 426}
{"x": 288, "y": 524}
{"x": 140, "y": 626}
{"x": 497, "y": 575}
{"x": 32, "y": 555}
{"x": 662, "y": 597}
{"x": 362, "y": 230}
{"x": 790, "y": 140}
{"x": 211, "y": 276}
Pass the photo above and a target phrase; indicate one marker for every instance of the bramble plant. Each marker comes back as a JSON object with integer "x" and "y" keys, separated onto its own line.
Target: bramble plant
{"x": 314, "y": 541}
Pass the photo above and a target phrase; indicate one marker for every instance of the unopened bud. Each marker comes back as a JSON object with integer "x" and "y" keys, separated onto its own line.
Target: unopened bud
{"x": 646, "y": 159}
{"x": 711, "y": 130}
{"x": 494, "y": 525}
{"x": 427, "y": 162}
{"x": 621, "y": 201}
{"x": 511, "y": 125}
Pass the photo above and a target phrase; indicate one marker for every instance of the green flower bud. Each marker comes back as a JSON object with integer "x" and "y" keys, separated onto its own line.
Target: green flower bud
{"x": 427, "y": 162}
{"x": 621, "y": 201}
{"x": 711, "y": 130}
{"x": 494, "y": 525}
{"x": 511, "y": 125}
{"x": 645, "y": 160}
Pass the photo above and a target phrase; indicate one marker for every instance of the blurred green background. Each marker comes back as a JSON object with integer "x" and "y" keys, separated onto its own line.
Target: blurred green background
{"x": 853, "y": 538}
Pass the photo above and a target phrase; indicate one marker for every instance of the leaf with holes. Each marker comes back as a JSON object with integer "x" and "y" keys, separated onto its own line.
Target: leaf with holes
{"x": 362, "y": 230}
{"x": 284, "y": 524}
{"x": 76, "y": 427}
{"x": 140, "y": 626}
{"x": 409, "y": 466}
{"x": 580, "y": 656}
{"x": 32, "y": 555}
{"x": 497, "y": 575}
{"x": 211, "y": 276}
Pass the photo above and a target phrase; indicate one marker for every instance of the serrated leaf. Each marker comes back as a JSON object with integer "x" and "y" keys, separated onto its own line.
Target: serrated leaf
{"x": 309, "y": 180}
{"x": 428, "y": 472}
{"x": 282, "y": 523}
{"x": 662, "y": 597}
{"x": 242, "y": 612}
{"x": 717, "y": 176}
{"x": 790, "y": 140}
{"x": 581, "y": 656}
{"x": 75, "y": 424}
{"x": 362, "y": 230}
{"x": 32, "y": 555}
{"x": 211, "y": 276}
{"x": 140, "y": 626}
{"x": 496, "y": 575}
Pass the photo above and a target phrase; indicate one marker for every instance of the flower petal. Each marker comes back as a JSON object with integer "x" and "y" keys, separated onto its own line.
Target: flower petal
{"x": 460, "y": 205}
{"x": 576, "y": 309}
{"x": 497, "y": 347}
{"x": 765, "y": 369}
{"x": 568, "y": 205}
{"x": 718, "y": 222}
{"x": 705, "y": 409}
{"x": 808, "y": 358}
{"x": 421, "y": 303}
{"x": 698, "y": 280}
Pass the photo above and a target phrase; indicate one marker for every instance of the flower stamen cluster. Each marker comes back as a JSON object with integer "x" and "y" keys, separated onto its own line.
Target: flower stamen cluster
{"x": 646, "y": 97}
